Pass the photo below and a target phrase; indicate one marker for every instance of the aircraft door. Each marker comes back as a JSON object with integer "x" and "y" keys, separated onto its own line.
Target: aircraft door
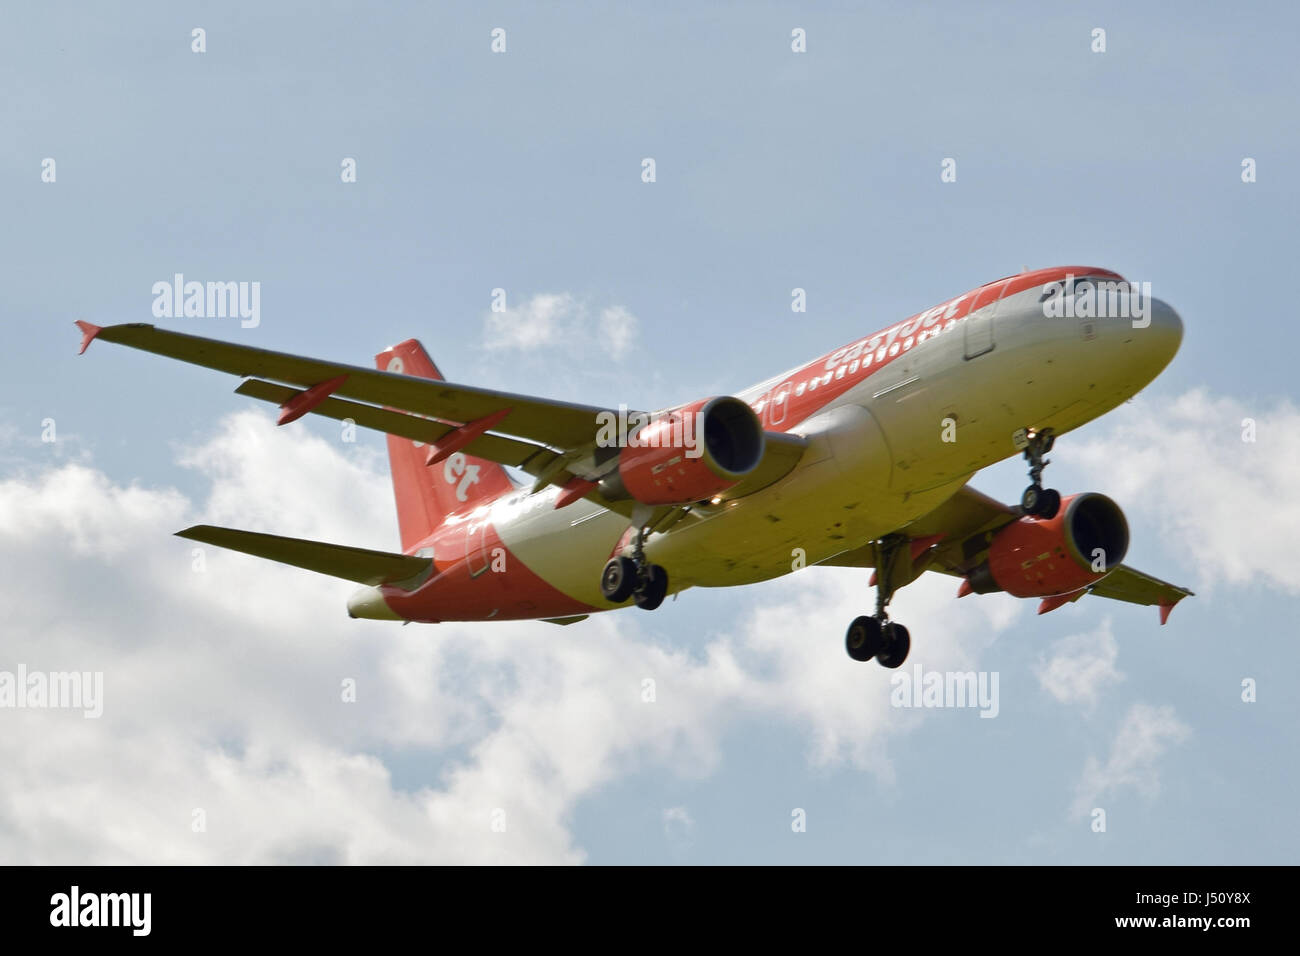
{"x": 779, "y": 404}
{"x": 979, "y": 324}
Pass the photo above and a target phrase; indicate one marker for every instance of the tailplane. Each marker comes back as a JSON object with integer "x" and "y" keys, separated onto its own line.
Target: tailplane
{"x": 340, "y": 561}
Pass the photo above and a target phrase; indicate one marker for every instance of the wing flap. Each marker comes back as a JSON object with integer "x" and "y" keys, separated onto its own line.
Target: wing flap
{"x": 499, "y": 448}
{"x": 352, "y": 564}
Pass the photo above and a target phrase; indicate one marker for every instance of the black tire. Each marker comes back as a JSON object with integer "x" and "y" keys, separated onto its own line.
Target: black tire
{"x": 1049, "y": 503}
{"x": 863, "y": 640}
{"x": 618, "y": 579}
{"x": 897, "y": 643}
{"x": 1031, "y": 499}
{"x": 654, "y": 589}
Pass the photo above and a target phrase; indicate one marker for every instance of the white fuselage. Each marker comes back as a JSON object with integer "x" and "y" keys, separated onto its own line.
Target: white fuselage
{"x": 886, "y": 451}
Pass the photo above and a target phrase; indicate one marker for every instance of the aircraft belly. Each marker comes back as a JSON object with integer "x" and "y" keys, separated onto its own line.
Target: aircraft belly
{"x": 1033, "y": 378}
{"x": 838, "y": 498}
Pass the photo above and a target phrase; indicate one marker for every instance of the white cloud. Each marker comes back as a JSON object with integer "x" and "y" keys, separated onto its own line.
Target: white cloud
{"x": 618, "y": 330}
{"x": 222, "y": 688}
{"x": 678, "y": 823}
{"x": 563, "y": 322}
{"x": 1080, "y": 667}
{"x": 1144, "y": 736}
{"x": 541, "y": 321}
{"x": 795, "y": 647}
{"x": 679, "y": 831}
{"x": 1228, "y": 504}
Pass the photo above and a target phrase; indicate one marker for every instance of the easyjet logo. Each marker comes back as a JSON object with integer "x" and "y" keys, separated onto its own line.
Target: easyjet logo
{"x": 885, "y": 341}
{"x": 457, "y": 470}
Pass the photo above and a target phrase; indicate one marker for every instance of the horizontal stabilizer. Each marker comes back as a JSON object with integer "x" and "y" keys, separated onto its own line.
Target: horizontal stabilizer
{"x": 351, "y": 564}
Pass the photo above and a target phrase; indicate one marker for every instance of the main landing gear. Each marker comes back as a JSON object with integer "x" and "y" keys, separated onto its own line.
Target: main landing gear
{"x": 1039, "y": 501}
{"x": 877, "y": 636}
{"x": 634, "y": 577}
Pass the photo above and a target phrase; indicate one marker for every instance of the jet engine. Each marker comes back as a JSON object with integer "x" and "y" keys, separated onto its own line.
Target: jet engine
{"x": 1033, "y": 557}
{"x": 687, "y": 454}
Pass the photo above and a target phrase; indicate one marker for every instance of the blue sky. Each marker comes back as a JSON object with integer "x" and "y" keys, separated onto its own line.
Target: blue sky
{"x": 521, "y": 171}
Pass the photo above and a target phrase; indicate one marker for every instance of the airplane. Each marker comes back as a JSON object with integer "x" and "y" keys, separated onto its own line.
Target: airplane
{"x": 860, "y": 458}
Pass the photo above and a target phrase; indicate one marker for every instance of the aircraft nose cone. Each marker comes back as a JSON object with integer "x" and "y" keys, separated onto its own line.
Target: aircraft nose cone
{"x": 1165, "y": 333}
{"x": 1164, "y": 317}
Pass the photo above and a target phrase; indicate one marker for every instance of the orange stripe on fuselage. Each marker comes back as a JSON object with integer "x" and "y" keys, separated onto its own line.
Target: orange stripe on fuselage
{"x": 827, "y": 378}
{"x": 505, "y": 588}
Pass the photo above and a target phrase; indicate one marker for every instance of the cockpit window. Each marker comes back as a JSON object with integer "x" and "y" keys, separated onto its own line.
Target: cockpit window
{"x": 1076, "y": 285}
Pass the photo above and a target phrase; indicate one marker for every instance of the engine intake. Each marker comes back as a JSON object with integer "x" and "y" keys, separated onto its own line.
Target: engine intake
{"x": 688, "y": 454}
{"x": 1084, "y": 542}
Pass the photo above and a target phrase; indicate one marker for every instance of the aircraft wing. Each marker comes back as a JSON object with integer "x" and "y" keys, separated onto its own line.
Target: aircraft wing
{"x": 1135, "y": 587}
{"x": 551, "y": 440}
{"x": 547, "y": 422}
{"x": 954, "y": 539}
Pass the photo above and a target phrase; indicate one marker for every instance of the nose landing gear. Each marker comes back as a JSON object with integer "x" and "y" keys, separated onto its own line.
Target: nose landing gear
{"x": 1039, "y": 501}
{"x": 877, "y": 636}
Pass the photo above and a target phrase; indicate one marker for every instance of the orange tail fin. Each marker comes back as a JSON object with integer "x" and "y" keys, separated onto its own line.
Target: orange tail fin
{"x": 427, "y": 494}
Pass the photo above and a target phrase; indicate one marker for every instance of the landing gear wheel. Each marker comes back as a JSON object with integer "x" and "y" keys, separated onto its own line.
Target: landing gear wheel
{"x": 618, "y": 580}
{"x": 1040, "y": 502}
{"x": 863, "y": 640}
{"x": 653, "y": 589}
{"x": 634, "y": 577}
{"x": 877, "y": 636}
{"x": 897, "y": 643}
{"x": 1050, "y": 503}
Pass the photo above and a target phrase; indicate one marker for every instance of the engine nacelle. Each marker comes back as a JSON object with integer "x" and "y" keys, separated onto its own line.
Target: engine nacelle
{"x": 1039, "y": 558}
{"x": 688, "y": 454}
